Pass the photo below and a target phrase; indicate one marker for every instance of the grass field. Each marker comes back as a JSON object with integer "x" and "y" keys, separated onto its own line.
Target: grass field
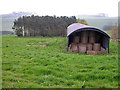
{"x": 53, "y": 66}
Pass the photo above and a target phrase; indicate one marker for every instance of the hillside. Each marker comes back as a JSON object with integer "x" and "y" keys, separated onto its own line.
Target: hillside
{"x": 53, "y": 67}
{"x": 8, "y": 19}
{"x": 99, "y": 21}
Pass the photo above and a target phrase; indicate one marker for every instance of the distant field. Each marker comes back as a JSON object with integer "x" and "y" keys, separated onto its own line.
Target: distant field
{"x": 99, "y": 22}
{"x": 53, "y": 66}
{"x": 7, "y": 24}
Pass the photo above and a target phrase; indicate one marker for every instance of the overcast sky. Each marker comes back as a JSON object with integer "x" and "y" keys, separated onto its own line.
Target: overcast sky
{"x": 61, "y": 7}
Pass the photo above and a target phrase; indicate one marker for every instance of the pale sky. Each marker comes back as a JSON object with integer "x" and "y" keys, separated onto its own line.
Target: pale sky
{"x": 61, "y": 7}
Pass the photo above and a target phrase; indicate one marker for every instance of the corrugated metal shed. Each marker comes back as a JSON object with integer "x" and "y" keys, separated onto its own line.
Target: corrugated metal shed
{"x": 77, "y": 28}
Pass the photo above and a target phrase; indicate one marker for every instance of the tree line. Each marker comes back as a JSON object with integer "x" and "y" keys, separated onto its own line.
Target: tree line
{"x": 31, "y": 26}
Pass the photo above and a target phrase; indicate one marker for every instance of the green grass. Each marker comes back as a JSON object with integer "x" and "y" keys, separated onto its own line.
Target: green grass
{"x": 53, "y": 66}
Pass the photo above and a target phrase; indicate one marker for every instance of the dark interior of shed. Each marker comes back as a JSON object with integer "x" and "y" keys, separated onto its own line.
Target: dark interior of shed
{"x": 99, "y": 38}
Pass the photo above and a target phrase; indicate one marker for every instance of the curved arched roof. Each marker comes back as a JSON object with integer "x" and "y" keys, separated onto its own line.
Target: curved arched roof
{"x": 80, "y": 27}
